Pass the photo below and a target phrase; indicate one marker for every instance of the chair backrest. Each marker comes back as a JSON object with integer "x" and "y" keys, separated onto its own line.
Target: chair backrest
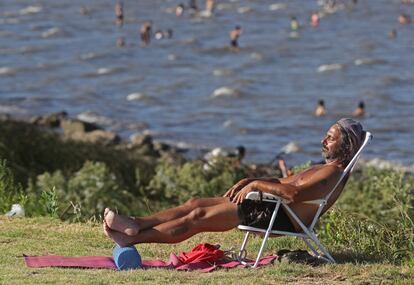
{"x": 351, "y": 165}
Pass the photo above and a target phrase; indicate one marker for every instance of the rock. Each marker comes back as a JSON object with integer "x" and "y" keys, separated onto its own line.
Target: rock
{"x": 145, "y": 149}
{"x": 140, "y": 140}
{"x": 5, "y": 117}
{"x": 71, "y": 126}
{"x": 50, "y": 120}
{"x": 95, "y": 137}
{"x": 162, "y": 147}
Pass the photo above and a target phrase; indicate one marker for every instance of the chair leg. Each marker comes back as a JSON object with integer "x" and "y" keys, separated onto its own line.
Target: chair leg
{"x": 261, "y": 249}
{"x": 243, "y": 252}
{"x": 322, "y": 248}
{"x": 311, "y": 247}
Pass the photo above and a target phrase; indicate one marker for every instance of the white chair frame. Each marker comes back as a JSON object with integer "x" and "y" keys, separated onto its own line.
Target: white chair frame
{"x": 308, "y": 235}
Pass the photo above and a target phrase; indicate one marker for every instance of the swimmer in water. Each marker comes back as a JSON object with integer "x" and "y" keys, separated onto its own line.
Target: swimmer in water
{"x": 360, "y": 110}
{"x": 404, "y": 19}
{"x": 120, "y": 42}
{"x": 294, "y": 24}
{"x": 320, "y": 109}
{"x": 193, "y": 5}
{"x": 158, "y": 35}
{"x": 84, "y": 11}
{"x": 179, "y": 10}
{"x": 392, "y": 34}
{"x": 234, "y": 37}
{"x": 314, "y": 20}
{"x": 119, "y": 13}
{"x": 145, "y": 33}
{"x": 168, "y": 34}
{"x": 210, "y": 6}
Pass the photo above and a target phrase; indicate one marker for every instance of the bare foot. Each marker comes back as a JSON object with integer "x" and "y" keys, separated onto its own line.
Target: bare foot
{"x": 120, "y": 223}
{"x": 121, "y": 239}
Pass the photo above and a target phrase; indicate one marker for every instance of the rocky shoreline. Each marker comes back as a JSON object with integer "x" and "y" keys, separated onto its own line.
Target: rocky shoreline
{"x": 77, "y": 130}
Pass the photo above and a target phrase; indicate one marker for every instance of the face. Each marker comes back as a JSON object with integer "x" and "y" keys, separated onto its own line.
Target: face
{"x": 331, "y": 143}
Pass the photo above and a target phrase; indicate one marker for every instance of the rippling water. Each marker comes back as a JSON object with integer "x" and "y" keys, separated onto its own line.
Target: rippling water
{"x": 193, "y": 89}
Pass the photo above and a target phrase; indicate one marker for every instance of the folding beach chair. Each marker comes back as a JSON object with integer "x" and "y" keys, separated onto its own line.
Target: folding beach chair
{"x": 308, "y": 234}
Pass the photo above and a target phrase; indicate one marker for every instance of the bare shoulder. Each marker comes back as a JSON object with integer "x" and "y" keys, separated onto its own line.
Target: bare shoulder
{"x": 326, "y": 175}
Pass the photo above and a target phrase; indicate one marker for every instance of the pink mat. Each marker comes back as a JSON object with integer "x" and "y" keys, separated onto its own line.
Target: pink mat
{"x": 108, "y": 262}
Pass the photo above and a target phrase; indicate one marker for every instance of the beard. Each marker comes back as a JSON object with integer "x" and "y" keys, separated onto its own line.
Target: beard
{"x": 330, "y": 155}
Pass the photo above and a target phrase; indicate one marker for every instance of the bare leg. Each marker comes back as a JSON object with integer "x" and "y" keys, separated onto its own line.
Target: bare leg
{"x": 218, "y": 218}
{"x": 131, "y": 226}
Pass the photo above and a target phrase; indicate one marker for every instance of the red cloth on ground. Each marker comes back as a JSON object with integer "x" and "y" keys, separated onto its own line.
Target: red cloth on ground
{"x": 203, "y": 252}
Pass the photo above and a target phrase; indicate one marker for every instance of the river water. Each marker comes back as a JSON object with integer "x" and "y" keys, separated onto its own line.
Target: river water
{"x": 193, "y": 91}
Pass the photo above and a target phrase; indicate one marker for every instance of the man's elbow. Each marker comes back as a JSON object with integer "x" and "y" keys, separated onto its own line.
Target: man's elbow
{"x": 291, "y": 196}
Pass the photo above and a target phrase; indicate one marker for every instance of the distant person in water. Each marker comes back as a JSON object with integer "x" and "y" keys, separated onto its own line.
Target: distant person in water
{"x": 158, "y": 35}
{"x": 84, "y": 11}
{"x": 119, "y": 13}
{"x": 120, "y": 42}
{"x": 168, "y": 34}
{"x": 360, "y": 110}
{"x": 145, "y": 33}
{"x": 234, "y": 37}
{"x": 404, "y": 19}
{"x": 330, "y": 4}
{"x": 193, "y": 5}
{"x": 392, "y": 34}
{"x": 294, "y": 24}
{"x": 320, "y": 109}
{"x": 314, "y": 19}
{"x": 210, "y": 6}
{"x": 179, "y": 10}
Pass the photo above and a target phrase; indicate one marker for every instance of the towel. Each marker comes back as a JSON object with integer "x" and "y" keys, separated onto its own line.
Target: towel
{"x": 107, "y": 262}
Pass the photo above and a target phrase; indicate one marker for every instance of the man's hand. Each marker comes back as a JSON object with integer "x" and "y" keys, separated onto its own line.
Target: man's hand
{"x": 237, "y": 187}
{"x": 241, "y": 195}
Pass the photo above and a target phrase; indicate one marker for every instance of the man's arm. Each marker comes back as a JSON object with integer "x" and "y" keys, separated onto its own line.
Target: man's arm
{"x": 244, "y": 182}
{"x": 315, "y": 187}
{"x": 285, "y": 191}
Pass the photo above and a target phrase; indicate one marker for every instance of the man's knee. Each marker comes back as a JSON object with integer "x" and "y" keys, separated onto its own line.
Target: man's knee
{"x": 196, "y": 214}
{"x": 193, "y": 202}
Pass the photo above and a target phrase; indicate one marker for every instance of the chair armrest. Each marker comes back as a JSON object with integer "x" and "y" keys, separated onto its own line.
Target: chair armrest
{"x": 255, "y": 195}
{"x": 315, "y": 202}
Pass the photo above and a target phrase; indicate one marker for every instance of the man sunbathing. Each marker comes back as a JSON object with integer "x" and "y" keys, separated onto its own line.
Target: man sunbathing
{"x": 174, "y": 225}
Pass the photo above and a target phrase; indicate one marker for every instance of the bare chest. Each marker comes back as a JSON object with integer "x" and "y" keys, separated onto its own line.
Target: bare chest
{"x": 304, "y": 177}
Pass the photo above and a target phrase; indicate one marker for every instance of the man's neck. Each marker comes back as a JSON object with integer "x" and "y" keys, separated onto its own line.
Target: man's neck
{"x": 334, "y": 162}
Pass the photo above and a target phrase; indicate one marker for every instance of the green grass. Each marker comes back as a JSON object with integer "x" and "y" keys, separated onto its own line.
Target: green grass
{"x": 40, "y": 236}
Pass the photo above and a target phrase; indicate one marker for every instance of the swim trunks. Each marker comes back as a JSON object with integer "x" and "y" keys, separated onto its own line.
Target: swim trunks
{"x": 234, "y": 43}
{"x": 256, "y": 213}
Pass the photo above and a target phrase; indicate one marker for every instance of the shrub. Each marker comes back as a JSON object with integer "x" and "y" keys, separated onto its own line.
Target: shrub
{"x": 375, "y": 217}
{"x": 174, "y": 184}
{"x": 379, "y": 194}
{"x": 10, "y": 191}
{"x": 32, "y": 151}
{"x": 87, "y": 193}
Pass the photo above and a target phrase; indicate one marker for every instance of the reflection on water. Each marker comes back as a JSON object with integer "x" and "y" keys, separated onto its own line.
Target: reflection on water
{"x": 194, "y": 90}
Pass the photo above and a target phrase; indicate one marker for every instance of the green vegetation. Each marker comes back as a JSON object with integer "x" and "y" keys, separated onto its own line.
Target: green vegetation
{"x": 370, "y": 230}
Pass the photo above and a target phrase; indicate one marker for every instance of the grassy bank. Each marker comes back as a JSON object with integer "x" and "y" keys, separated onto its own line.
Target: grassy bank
{"x": 38, "y": 236}
{"x": 64, "y": 186}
